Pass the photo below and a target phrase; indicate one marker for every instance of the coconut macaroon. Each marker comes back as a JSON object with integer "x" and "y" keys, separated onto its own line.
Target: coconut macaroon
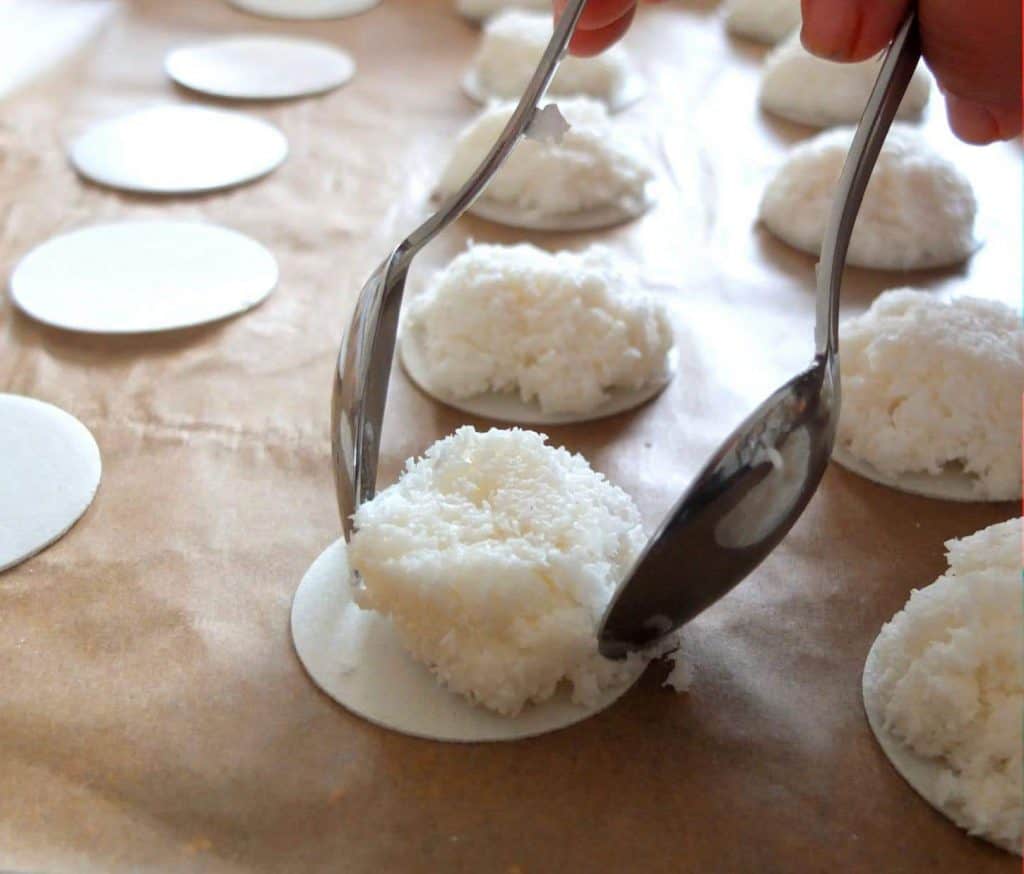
{"x": 495, "y": 556}
{"x": 801, "y": 87}
{"x": 918, "y": 210}
{"x": 766, "y": 21}
{"x": 929, "y": 386}
{"x": 481, "y": 10}
{"x": 944, "y": 686}
{"x": 596, "y": 176}
{"x": 512, "y": 45}
{"x": 562, "y": 331}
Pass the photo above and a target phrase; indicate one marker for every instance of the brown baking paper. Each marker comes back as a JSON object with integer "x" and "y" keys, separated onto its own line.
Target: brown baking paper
{"x": 153, "y": 715}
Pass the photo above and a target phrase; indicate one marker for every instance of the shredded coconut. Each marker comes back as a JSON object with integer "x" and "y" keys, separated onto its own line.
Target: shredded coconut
{"x": 810, "y": 90}
{"x": 918, "y": 210}
{"x": 594, "y": 166}
{"x": 766, "y": 21}
{"x": 512, "y": 46}
{"x": 680, "y": 678}
{"x": 928, "y": 383}
{"x": 951, "y": 681}
{"x": 480, "y": 10}
{"x": 561, "y": 329}
{"x": 495, "y": 555}
{"x": 548, "y": 126}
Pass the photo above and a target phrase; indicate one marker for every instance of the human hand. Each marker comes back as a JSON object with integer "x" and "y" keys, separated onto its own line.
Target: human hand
{"x": 603, "y": 22}
{"x": 974, "y": 50}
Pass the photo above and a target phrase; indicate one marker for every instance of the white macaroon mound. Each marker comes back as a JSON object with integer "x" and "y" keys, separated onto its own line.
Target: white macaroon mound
{"x": 562, "y": 333}
{"x": 594, "y": 177}
{"x": 931, "y": 395}
{"x": 494, "y": 556}
{"x": 512, "y": 45}
{"x": 944, "y": 687}
{"x": 801, "y": 87}
{"x": 918, "y": 210}
{"x": 481, "y": 10}
{"x": 766, "y": 21}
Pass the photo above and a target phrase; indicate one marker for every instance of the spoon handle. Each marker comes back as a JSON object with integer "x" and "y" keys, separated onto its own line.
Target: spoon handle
{"x": 893, "y": 79}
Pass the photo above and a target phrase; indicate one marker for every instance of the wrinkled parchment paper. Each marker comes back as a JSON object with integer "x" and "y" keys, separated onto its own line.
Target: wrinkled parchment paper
{"x": 153, "y": 715}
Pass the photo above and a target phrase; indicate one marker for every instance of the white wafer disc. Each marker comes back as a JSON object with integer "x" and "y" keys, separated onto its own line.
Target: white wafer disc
{"x": 255, "y": 67}
{"x": 632, "y": 89}
{"x": 141, "y": 276}
{"x": 509, "y": 407}
{"x": 49, "y": 472}
{"x": 175, "y": 149}
{"x": 478, "y": 13}
{"x": 356, "y": 658}
{"x": 587, "y": 220}
{"x": 950, "y": 485}
{"x": 923, "y": 774}
{"x": 304, "y": 9}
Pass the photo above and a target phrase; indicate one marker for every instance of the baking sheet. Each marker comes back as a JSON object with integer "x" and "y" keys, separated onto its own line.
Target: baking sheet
{"x": 152, "y": 712}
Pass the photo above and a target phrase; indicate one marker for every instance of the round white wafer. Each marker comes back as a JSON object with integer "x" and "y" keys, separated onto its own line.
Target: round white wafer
{"x": 950, "y": 485}
{"x": 509, "y": 407}
{"x": 141, "y": 276}
{"x": 304, "y": 9}
{"x": 355, "y": 657}
{"x": 258, "y": 67}
{"x": 595, "y": 219}
{"x": 49, "y": 472}
{"x": 174, "y": 149}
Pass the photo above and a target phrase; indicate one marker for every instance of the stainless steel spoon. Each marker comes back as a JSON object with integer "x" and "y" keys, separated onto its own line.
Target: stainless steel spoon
{"x": 759, "y": 481}
{"x": 364, "y": 362}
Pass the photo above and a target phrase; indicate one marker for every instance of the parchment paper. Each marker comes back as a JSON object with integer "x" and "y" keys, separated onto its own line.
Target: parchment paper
{"x": 153, "y": 715}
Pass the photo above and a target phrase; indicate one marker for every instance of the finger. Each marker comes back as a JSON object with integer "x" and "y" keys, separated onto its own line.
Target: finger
{"x": 592, "y": 42}
{"x": 850, "y": 30}
{"x": 586, "y": 43}
{"x": 980, "y": 124}
{"x": 598, "y": 14}
{"x": 974, "y": 49}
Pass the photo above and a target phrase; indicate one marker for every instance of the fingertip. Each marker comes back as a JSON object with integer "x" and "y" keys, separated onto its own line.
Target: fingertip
{"x": 978, "y": 124}
{"x": 827, "y": 26}
{"x": 849, "y": 30}
{"x": 586, "y": 43}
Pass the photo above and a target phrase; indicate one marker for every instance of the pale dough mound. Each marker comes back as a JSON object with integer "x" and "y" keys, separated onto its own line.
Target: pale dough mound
{"x": 495, "y": 555}
{"x": 512, "y": 46}
{"x": 593, "y": 166}
{"x": 766, "y": 21}
{"x": 562, "y": 330}
{"x": 810, "y": 90}
{"x": 480, "y": 10}
{"x": 918, "y": 211}
{"x": 951, "y": 680}
{"x": 927, "y": 383}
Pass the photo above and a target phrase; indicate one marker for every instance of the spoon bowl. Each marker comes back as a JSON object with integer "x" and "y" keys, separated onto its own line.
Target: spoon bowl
{"x": 759, "y": 481}
{"x": 734, "y": 513}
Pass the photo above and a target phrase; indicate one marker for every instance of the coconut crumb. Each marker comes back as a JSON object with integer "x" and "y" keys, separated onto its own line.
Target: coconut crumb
{"x": 680, "y": 677}
{"x": 548, "y": 125}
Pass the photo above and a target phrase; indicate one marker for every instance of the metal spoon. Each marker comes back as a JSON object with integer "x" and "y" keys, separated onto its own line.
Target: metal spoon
{"x": 759, "y": 481}
{"x": 367, "y": 350}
